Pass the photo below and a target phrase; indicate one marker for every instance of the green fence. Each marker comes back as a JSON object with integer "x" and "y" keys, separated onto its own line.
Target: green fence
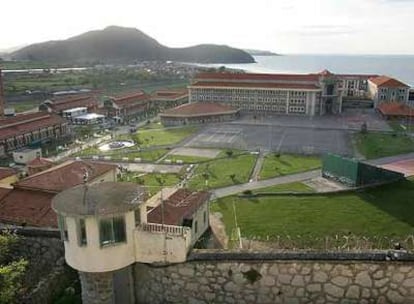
{"x": 355, "y": 173}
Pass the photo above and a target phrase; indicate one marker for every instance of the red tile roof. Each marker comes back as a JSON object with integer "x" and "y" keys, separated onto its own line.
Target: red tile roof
{"x": 25, "y": 207}
{"x": 396, "y": 109}
{"x": 71, "y": 102}
{"x": 6, "y": 172}
{"x": 24, "y": 123}
{"x": 64, "y": 176}
{"x": 181, "y": 205}
{"x": 130, "y": 98}
{"x": 39, "y": 161}
{"x": 388, "y": 82}
{"x": 169, "y": 94}
{"x": 4, "y": 192}
{"x": 257, "y": 77}
{"x": 270, "y": 85}
{"x": 199, "y": 109}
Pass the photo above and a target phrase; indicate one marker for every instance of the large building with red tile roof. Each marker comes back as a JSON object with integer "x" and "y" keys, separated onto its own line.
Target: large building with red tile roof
{"x": 299, "y": 94}
{"x": 29, "y": 202}
{"x": 386, "y": 89}
{"x": 168, "y": 98}
{"x": 128, "y": 106}
{"x": 198, "y": 113}
{"x": 28, "y": 129}
{"x": 59, "y": 104}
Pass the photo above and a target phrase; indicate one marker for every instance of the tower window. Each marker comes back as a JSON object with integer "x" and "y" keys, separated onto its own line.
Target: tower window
{"x": 81, "y": 227}
{"x": 63, "y": 228}
{"x": 112, "y": 230}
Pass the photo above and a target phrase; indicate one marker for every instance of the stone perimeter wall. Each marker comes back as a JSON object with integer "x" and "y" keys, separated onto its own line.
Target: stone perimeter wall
{"x": 276, "y": 281}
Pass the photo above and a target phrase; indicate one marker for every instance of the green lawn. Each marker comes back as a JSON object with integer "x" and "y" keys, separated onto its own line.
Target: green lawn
{"x": 380, "y": 214}
{"x": 375, "y": 145}
{"x": 290, "y": 187}
{"x": 284, "y": 164}
{"x": 160, "y": 137}
{"x": 219, "y": 172}
{"x": 152, "y": 180}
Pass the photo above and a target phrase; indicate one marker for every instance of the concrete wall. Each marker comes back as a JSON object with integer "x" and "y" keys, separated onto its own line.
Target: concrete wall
{"x": 93, "y": 257}
{"x": 252, "y": 278}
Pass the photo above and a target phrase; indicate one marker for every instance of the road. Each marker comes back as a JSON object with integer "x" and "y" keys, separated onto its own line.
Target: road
{"x": 390, "y": 159}
{"x": 226, "y": 191}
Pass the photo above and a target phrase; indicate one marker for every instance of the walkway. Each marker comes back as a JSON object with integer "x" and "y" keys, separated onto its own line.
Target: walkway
{"x": 257, "y": 167}
{"x": 226, "y": 191}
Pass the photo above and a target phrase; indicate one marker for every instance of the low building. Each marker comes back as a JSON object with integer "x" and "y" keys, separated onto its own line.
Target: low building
{"x": 386, "y": 89}
{"x": 198, "y": 113}
{"x": 60, "y": 104}
{"x": 29, "y": 202}
{"x": 168, "y": 98}
{"x": 29, "y": 130}
{"x": 396, "y": 111}
{"x": 129, "y": 106}
{"x": 26, "y": 155}
{"x": 37, "y": 165}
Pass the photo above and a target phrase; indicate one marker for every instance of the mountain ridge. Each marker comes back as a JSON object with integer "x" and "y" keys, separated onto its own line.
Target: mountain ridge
{"x": 120, "y": 44}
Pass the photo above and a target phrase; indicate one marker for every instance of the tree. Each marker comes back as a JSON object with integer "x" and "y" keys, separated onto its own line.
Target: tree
{"x": 364, "y": 128}
{"x": 232, "y": 176}
{"x": 11, "y": 271}
{"x": 229, "y": 153}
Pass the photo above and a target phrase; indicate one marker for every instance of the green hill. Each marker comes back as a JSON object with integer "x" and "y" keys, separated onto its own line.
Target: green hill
{"x": 124, "y": 45}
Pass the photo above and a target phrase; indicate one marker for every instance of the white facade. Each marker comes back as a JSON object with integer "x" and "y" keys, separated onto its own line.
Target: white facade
{"x": 26, "y": 155}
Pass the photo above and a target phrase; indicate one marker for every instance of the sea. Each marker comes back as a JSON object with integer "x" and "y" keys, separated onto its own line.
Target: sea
{"x": 397, "y": 66}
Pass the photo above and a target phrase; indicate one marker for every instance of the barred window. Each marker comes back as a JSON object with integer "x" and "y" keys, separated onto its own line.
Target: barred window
{"x": 112, "y": 230}
{"x": 81, "y": 227}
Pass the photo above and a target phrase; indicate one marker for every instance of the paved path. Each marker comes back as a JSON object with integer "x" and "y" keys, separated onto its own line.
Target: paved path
{"x": 391, "y": 159}
{"x": 257, "y": 167}
{"x": 221, "y": 192}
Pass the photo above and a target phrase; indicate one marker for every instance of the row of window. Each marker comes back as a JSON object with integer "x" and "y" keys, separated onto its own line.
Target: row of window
{"x": 111, "y": 230}
{"x": 296, "y": 109}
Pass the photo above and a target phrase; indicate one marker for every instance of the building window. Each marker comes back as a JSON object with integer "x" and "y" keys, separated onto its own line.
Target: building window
{"x": 205, "y": 217}
{"x": 195, "y": 227}
{"x": 112, "y": 230}
{"x": 81, "y": 227}
{"x": 63, "y": 228}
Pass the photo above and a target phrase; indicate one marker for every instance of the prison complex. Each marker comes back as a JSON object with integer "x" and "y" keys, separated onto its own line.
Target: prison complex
{"x": 305, "y": 94}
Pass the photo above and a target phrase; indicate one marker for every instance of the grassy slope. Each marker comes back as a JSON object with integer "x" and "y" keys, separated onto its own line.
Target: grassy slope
{"x": 219, "y": 171}
{"x": 375, "y": 145}
{"x": 382, "y": 212}
{"x": 287, "y": 164}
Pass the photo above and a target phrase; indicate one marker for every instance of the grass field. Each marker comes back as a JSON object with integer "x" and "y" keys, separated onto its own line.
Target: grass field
{"x": 159, "y": 137}
{"x": 306, "y": 221}
{"x": 284, "y": 164}
{"x": 152, "y": 180}
{"x": 220, "y": 172}
{"x": 375, "y": 145}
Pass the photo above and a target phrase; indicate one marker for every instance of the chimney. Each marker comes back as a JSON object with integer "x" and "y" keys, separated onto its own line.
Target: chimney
{"x": 1, "y": 96}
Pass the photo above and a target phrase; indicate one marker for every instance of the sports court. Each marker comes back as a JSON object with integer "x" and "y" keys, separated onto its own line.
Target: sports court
{"x": 274, "y": 138}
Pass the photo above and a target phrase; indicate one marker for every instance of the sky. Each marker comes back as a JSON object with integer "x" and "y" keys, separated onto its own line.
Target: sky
{"x": 281, "y": 26}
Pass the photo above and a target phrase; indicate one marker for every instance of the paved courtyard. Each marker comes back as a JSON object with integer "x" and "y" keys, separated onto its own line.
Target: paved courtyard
{"x": 274, "y": 138}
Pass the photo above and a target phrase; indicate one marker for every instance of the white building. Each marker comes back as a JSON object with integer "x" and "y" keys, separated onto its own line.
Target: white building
{"x": 385, "y": 89}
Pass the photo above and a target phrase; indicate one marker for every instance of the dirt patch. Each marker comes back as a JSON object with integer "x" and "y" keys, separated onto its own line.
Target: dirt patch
{"x": 321, "y": 184}
{"x": 209, "y": 153}
{"x": 218, "y": 229}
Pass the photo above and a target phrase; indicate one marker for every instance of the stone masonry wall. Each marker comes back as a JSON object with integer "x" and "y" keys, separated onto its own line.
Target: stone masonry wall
{"x": 97, "y": 288}
{"x": 47, "y": 275}
{"x": 276, "y": 281}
